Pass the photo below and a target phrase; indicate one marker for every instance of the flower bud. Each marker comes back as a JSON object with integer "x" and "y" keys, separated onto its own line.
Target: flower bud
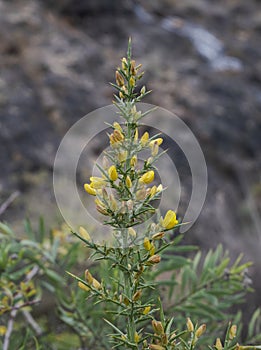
{"x": 83, "y": 286}
{"x": 137, "y": 295}
{"x": 136, "y": 135}
{"x": 156, "y": 347}
{"x": 132, "y": 68}
{"x": 232, "y": 332}
{"x": 132, "y": 81}
{"x": 112, "y": 172}
{"x": 158, "y": 235}
{"x": 117, "y": 126}
{"x": 143, "y": 89}
{"x": 152, "y": 249}
{"x": 128, "y": 182}
{"x": 153, "y": 191}
{"x": 89, "y": 189}
{"x": 144, "y": 139}
{"x": 124, "y": 64}
{"x": 133, "y": 161}
{"x": 157, "y": 327}
{"x": 132, "y": 232}
{"x": 96, "y": 284}
{"x": 141, "y": 194}
{"x": 88, "y": 276}
{"x": 119, "y": 78}
{"x": 218, "y": 344}
{"x": 200, "y": 330}
{"x": 122, "y": 156}
{"x": 154, "y": 150}
{"x": 154, "y": 259}
{"x": 84, "y": 233}
{"x": 159, "y": 188}
{"x": 136, "y": 337}
{"x": 190, "y": 326}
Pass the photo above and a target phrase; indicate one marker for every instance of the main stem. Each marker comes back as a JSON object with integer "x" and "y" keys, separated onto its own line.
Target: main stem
{"x": 131, "y": 328}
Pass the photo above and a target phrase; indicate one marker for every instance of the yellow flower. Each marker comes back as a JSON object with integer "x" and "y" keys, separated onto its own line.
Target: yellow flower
{"x": 117, "y": 126}
{"x": 153, "y": 191}
{"x": 112, "y": 172}
{"x": 132, "y": 81}
{"x": 137, "y": 337}
{"x": 157, "y": 141}
{"x": 97, "y": 182}
{"x": 152, "y": 249}
{"x": 147, "y": 244}
{"x": 169, "y": 220}
{"x": 128, "y": 182}
{"x": 116, "y": 136}
{"x": 148, "y": 177}
{"x": 83, "y": 286}
{"x": 3, "y": 330}
{"x": 89, "y": 189}
{"x": 133, "y": 161}
{"x": 84, "y": 233}
{"x": 146, "y": 310}
{"x": 144, "y": 139}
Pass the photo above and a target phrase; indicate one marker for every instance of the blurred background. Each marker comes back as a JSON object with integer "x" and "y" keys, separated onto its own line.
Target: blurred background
{"x": 203, "y": 62}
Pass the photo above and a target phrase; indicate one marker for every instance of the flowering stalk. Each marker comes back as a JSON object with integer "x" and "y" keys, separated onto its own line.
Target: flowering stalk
{"x": 124, "y": 194}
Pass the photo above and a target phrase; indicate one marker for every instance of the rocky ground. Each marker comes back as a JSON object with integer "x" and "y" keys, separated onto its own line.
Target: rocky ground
{"x": 203, "y": 62}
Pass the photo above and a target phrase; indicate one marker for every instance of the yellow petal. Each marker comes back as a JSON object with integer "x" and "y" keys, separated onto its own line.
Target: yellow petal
{"x": 169, "y": 220}
{"x": 112, "y": 172}
{"x": 83, "y": 286}
{"x": 144, "y": 139}
{"x": 148, "y": 177}
{"x": 128, "y": 182}
{"x": 84, "y": 233}
{"x": 89, "y": 189}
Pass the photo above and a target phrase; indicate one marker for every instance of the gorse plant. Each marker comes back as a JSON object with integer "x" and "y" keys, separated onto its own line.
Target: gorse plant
{"x": 143, "y": 299}
{"x": 124, "y": 195}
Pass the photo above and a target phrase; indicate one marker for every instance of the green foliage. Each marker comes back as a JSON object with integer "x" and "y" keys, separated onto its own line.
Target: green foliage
{"x": 81, "y": 322}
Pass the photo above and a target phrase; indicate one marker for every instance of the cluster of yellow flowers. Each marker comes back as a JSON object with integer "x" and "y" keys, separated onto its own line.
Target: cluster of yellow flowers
{"x": 123, "y": 186}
